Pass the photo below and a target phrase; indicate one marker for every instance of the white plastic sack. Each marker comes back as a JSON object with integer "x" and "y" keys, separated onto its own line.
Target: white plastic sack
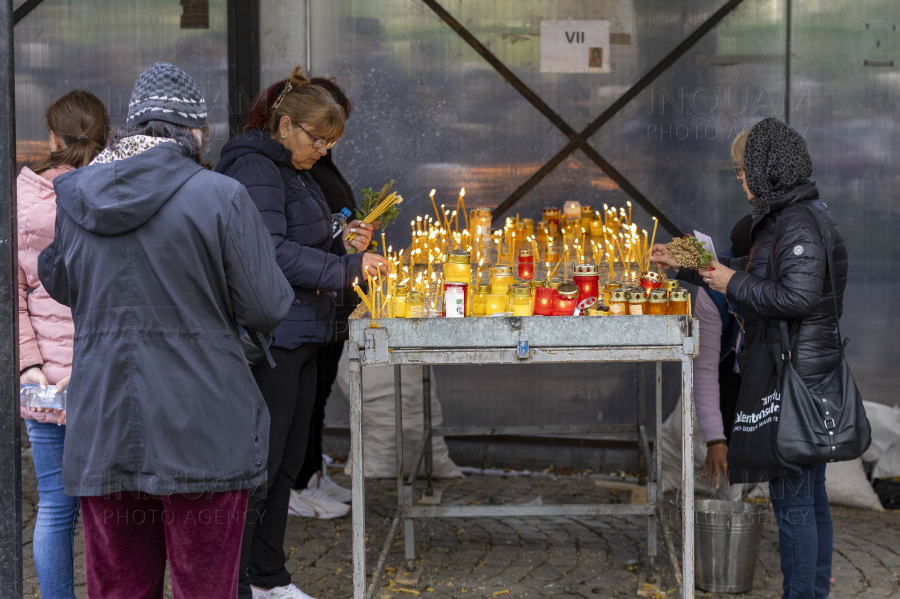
{"x": 846, "y": 484}
{"x": 379, "y": 424}
{"x": 888, "y": 465}
{"x": 885, "y": 422}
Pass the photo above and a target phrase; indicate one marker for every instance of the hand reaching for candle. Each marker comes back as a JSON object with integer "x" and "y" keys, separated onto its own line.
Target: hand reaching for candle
{"x": 363, "y": 235}
{"x": 373, "y": 264}
{"x": 717, "y": 277}
{"x": 661, "y": 257}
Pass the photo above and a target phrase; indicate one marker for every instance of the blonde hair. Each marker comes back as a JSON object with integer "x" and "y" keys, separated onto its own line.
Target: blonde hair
{"x": 738, "y": 146}
{"x": 309, "y": 104}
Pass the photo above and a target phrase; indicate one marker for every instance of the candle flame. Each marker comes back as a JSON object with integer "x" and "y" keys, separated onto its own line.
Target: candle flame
{"x": 628, "y": 203}
{"x": 432, "y": 193}
{"x": 462, "y": 192}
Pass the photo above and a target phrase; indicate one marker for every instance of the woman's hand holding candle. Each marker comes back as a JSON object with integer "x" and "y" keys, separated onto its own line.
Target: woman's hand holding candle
{"x": 373, "y": 264}
{"x": 362, "y": 235}
{"x": 660, "y": 256}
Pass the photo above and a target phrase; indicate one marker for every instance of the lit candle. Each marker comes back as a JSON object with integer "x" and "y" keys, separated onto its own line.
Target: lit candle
{"x": 431, "y": 195}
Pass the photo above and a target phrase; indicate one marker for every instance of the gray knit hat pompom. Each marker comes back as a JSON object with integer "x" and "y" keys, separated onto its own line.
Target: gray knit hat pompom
{"x": 166, "y": 93}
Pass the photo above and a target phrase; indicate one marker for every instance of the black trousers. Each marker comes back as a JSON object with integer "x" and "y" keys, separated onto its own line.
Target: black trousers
{"x": 729, "y": 390}
{"x": 289, "y": 390}
{"x": 327, "y": 361}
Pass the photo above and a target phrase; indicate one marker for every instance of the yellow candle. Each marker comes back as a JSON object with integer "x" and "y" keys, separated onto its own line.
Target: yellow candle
{"x": 496, "y": 303}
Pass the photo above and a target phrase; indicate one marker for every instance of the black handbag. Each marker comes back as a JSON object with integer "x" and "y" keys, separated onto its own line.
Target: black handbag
{"x": 825, "y": 423}
{"x": 256, "y": 347}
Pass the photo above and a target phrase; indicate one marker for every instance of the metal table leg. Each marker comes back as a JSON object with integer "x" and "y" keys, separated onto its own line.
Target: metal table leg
{"x": 426, "y": 411}
{"x": 404, "y": 492}
{"x": 641, "y": 420}
{"x": 687, "y": 475}
{"x": 356, "y": 472}
{"x": 653, "y": 480}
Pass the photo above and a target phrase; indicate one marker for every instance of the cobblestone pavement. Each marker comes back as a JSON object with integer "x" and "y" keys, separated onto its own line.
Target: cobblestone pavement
{"x": 518, "y": 557}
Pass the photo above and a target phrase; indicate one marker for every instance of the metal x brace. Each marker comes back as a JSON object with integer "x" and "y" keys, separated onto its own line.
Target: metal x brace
{"x": 580, "y": 140}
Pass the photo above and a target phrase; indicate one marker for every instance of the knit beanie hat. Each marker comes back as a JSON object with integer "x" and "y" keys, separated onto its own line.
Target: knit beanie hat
{"x": 166, "y": 93}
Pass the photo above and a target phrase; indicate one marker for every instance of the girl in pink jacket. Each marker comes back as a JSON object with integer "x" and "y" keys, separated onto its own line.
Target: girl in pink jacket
{"x": 78, "y": 124}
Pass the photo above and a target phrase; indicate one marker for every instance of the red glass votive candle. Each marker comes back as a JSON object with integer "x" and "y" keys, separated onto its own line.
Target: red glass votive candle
{"x": 566, "y": 300}
{"x": 587, "y": 278}
{"x": 526, "y": 265}
{"x": 543, "y": 301}
{"x": 650, "y": 281}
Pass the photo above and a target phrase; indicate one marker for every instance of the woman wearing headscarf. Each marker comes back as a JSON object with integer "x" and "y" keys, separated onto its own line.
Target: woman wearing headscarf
{"x": 774, "y": 166}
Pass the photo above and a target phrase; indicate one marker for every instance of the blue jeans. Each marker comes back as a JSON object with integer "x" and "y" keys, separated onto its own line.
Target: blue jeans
{"x": 54, "y": 530}
{"x": 805, "y": 533}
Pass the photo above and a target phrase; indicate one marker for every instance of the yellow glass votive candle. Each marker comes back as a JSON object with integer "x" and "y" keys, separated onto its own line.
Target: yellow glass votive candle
{"x": 479, "y": 299}
{"x": 596, "y": 228}
{"x": 415, "y": 305}
{"x": 501, "y": 276}
{"x": 495, "y": 303}
{"x": 400, "y": 301}
{"x": 457, "y": 268}
{"x": 520, "y": 302}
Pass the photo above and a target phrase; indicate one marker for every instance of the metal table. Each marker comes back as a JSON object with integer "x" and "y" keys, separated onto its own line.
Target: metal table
{"x": 528, "y": 340}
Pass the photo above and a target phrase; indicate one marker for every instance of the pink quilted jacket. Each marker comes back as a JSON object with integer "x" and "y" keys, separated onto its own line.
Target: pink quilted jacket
{"x": 46, "y": 330}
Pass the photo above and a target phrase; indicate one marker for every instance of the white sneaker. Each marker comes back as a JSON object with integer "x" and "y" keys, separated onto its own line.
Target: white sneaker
{"x": 288, "y": 592}
{"x": 334, "y": 490}
{"x": 315, "y": 503}
{"x": 259, "y": 593}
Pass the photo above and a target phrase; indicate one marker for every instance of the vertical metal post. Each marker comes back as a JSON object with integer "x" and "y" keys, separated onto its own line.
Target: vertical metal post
{"x": 357, "y": 472}
{"x": 788, "y": 18}
{"x": 243, "y": 60}
{"x": 398, "y": 421}
{"x": 426, "y": 414}
{"x": 687, "y": 474}
{"x": 641, "y": 419}
{"x": 657, "y": 453}
{"x": 10, "y": 427}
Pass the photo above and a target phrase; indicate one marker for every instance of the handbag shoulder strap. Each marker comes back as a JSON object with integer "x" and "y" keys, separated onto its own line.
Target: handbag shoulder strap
{"x": 829, "y": 263}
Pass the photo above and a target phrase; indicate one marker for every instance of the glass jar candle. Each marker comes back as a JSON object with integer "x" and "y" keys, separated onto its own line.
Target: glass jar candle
{"x": 400, "y": 301}
{"x": 526, "y": 264}
{"x": 495, "y": 303}
{"x": 500, "y": 276}
{"x": 587, "y": 214}
{"x": 480, "y": 217}
{"x": 456, "y": 299}
{"x": 458, "y": 267}
{"x": 479, "y": 299}
{"x": 551, "y": 216}
{"x": 566, "y": 300}
{"x": 529, "y": 226}
{"x": 678, "y": 301}
{"x": 543, "y": 301}
{"x": 543, "y": 237}
{"x": 519, "y": 299}
{"x": 572, "y": 209}
{"x": 650, "y": 280}
{"x": 535, "y": 283}
{"x": 618, "y": 302}
{"x": 587, "y": 277}
{"x": 553, "y": 253}
{"x": 596, "y": 228}
{"x": 670, "y": 285}
{"x": 637, "y": 300}
{"x": 657, "y": 303}
{"x": 415, "y": 305}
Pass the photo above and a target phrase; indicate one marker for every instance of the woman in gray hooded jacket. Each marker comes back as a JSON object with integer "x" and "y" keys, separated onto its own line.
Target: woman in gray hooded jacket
{"x": 160, "y": 260}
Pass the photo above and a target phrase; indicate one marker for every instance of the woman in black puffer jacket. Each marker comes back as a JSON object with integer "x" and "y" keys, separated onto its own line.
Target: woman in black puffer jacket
{"x": 774, "y": 165}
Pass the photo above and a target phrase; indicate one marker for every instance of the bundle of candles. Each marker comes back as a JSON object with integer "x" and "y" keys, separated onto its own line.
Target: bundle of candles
{"x": 549, "y": 268}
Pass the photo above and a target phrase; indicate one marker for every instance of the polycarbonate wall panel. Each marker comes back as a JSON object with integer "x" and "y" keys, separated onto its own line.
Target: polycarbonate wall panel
{"x": 852, "y": 128}
{"x": 102, "y": 46}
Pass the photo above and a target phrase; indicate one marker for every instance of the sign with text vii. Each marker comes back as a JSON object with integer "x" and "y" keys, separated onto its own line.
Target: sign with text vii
{"x": 575, "y": 47}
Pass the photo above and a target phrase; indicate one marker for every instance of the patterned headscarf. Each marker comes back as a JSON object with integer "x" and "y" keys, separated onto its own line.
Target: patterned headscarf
{"x": 775, "y": 160}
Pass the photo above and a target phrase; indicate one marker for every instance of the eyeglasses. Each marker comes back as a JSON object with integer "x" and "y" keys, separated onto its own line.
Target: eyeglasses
{"x": 738, "y": 169}
{"x": 318, "y": 143}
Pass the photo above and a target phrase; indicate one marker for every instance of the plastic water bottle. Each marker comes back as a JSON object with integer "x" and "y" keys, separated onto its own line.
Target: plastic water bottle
{"x": 339, "y": 221}
{"x": 32, "y": 396}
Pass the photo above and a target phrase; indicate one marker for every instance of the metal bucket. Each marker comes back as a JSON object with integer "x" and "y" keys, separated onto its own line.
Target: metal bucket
{"x": 726, "y": 544}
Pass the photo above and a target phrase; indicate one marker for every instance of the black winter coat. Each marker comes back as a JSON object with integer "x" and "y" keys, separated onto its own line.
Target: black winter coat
{"x": 299, "y": 220}
{"x": 338, "y": 194}
{"x": 800, "y": 289}
{"x": 160, "y": 261}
